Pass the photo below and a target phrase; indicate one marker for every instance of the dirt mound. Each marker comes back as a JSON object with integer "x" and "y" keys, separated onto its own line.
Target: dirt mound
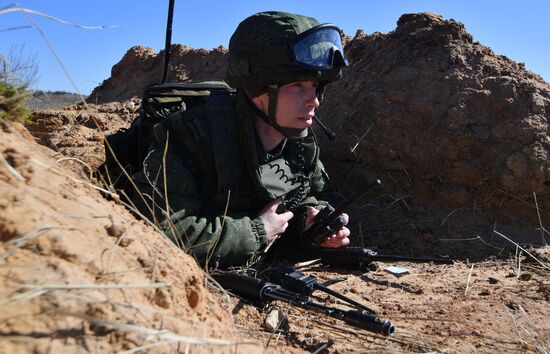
{"x": 141, "y": 67}
{"x": 73, "y": 131}
{"x": 443, "y": 121}
{"x": 77, "y": 271}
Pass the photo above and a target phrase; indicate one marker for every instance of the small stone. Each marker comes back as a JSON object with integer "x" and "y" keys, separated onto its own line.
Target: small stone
{"x": 125, "y": 242}
{"x": 162, "y": 298}
{"x": 492, "y": 280}
{"x": 145, "y": 263}
{"x": 484, "y": 292}
{"x": 512, "y": 305}
{"x": 130, "y": 106}
{"x": 115, "y": 229}
{"x": 273, "y": 320}
{"x": 525, "y": 276}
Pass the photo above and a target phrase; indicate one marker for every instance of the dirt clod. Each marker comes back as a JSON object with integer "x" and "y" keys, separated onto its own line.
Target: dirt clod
{"x": 162, "y": 298}
{"x": 115, "y": 230}
{"x": 525, "y": 276}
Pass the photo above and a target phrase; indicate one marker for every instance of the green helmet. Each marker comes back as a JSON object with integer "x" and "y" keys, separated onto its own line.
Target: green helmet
{"x": 270, "y": 49}
{"x": 278, "y": 48}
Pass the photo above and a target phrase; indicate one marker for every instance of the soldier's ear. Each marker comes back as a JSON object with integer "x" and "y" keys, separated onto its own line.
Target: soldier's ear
{"x": 262, "y": 102}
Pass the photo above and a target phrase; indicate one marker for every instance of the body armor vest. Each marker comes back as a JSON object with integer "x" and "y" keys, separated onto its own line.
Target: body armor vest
{"x": 214, "y": 141}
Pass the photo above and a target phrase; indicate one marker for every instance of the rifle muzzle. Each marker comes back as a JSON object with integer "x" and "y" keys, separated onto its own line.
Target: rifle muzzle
{"x": 369, "y": 322}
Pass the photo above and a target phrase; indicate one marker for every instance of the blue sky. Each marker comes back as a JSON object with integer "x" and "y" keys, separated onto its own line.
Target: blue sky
{"x": 517, "y": 29}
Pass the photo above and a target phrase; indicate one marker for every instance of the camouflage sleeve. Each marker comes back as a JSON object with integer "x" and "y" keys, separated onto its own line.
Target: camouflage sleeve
{"x": 230, "y": 240}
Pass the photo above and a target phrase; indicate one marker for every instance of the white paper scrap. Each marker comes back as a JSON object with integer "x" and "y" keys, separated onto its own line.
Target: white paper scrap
{"x": 397, "y": 271}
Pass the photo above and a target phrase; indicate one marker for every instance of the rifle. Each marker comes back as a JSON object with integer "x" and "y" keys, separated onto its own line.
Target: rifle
{"x": 362, "y": 258}
{"x": 294, "y": 280}
{"x": 257, "y": 289}
{"x": 329, "y": 220}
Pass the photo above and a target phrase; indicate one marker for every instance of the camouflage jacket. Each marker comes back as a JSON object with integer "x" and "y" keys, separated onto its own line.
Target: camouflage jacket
{"x": 216, "y": 186}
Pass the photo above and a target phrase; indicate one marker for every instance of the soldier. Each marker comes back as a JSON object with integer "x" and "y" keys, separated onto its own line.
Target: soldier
{"x": 251, "y": 171}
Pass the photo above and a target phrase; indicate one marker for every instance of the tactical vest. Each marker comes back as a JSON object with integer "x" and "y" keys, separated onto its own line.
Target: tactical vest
{"x": 209, "y": 141}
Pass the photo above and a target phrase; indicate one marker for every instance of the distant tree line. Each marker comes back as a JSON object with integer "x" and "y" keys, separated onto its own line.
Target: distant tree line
{"x": 52, "y": 93}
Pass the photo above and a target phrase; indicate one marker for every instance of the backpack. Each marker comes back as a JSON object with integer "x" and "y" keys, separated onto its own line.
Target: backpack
{"x": 127, "y": 148}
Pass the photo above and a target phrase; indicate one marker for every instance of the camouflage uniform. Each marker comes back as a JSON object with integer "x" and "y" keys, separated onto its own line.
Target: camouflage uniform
{"x": 197, "y": 220}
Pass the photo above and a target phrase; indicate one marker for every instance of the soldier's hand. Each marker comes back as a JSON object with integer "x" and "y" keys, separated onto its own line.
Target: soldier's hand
{"x": 275, "y": 224}
{"x": 338, "y": 239}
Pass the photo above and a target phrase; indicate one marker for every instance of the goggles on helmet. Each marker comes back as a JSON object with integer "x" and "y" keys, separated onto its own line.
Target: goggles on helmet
{"x": 319, "y": 48}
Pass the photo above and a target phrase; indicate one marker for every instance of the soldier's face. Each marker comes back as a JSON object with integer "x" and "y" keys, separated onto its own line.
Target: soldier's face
{"x": 296, "y": 104}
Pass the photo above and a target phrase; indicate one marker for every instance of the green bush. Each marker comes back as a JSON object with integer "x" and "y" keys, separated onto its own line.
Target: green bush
{"x": 12, "y": 103}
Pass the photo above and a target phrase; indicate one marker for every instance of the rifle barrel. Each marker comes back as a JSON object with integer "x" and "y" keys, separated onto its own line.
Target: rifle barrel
{"x": 352, "y": 256}
{"x": 356, "y": 318}
{"x": 395, "y": 258}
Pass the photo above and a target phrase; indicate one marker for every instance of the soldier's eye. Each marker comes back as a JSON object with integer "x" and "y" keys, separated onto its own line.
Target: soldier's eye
{"x": 296, "y": 87}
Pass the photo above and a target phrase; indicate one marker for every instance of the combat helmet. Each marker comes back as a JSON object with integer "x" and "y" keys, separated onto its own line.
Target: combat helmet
{"x": 270, "y": 49}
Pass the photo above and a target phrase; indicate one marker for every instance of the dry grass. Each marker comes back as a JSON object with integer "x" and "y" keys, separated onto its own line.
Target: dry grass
{"x": 528, "y": 334}
{"x": 545, "y": 266}
{"x": 164, "y": 336}
{"x": 39, "y": 290}
{"x": 11, "y": 170}
{"x": 542, "y": 229}
{"x": 88, "y": 167}
{"x": 74, "y": 179}
{"x": 22, "y": 240}
{"x": 469, "y": 278}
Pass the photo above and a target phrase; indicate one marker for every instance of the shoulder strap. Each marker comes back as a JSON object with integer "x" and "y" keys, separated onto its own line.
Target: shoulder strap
{"x": 213, "y": 126}
{"x": 222, "y": 122}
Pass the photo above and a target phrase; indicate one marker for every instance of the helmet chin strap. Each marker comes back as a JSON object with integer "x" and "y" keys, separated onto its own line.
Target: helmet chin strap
{"x": 270, "y": 118}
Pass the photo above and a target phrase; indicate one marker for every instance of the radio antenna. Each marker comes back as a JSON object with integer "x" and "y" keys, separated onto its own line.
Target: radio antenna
{"x": 168, "y": 39}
